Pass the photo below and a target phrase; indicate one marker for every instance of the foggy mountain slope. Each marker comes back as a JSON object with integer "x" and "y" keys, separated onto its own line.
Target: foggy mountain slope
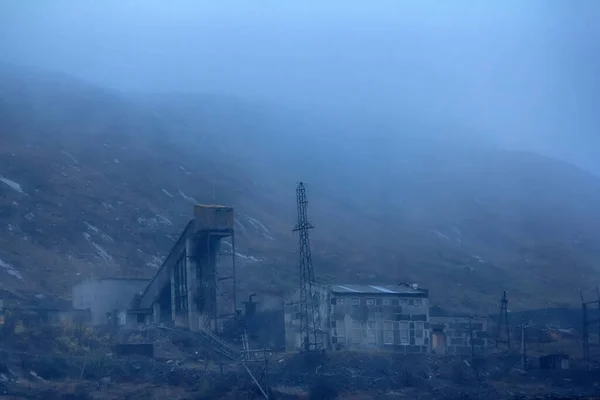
{"x": 106, "y": 183}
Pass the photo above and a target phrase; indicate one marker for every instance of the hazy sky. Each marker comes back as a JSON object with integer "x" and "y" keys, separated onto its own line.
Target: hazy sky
{"x": 523, "y": 72}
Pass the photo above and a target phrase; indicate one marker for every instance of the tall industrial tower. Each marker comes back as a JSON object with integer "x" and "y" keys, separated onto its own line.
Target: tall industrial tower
{"x": 310, "y": 317}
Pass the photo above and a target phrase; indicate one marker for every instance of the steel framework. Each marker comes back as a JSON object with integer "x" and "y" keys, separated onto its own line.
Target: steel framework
{"x": 503, "y": 322}
{"x": 587, "y": 322}
{"x": 310, "y": 316}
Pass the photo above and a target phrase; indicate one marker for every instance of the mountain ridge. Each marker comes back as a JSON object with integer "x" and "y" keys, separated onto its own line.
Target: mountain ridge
{"x": 108, "y": 181}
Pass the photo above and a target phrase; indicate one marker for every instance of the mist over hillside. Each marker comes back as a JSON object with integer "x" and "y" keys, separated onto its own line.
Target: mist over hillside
{"x": 101, "y": 183}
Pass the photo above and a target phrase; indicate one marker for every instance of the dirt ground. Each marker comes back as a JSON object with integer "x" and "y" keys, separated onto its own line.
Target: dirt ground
{"x": 342, "y": 375}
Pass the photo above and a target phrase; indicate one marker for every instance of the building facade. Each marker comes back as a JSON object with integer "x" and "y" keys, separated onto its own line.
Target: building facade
{"x": 393, "y": 317}
{"x": 458, "y": 334}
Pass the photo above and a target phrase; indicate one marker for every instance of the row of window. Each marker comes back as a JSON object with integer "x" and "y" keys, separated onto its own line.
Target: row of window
{"x": 404, "y": 330}
{"x": 356, "y": 301}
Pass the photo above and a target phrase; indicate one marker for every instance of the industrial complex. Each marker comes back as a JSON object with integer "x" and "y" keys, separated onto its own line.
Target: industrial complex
{"x": 191, "y": 290}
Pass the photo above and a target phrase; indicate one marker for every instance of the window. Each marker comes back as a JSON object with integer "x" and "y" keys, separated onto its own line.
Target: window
{"x": 404, "y": 332}
{"x": 371, "y": 333}
{"x": 355, "y": 301}
{"x": 419, "y": 327}
{"x": 388, "y": 332}
{"x": 395, "y": 302}
{"x": 417, "y": 302}
{"x": 388, "y": 337}
{"x": 340, "y": 301}
{"x": 403, "y": 302}
{"x": 386, "y": 302}
{"x": 370, "y": 302}
{"x": 355, "y": 324}
{"x": 338, "y": 334}
{"x": 333, "y": 324}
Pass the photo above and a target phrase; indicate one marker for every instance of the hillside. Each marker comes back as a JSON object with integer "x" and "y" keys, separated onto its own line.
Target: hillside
{"x": 94, "y": 182}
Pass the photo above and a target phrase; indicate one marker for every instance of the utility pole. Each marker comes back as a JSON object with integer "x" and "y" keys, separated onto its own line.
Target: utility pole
{"x": 471, "y": 341}
{"x": 523, "y": 347}
{"x": 586, "y": 322}
{"x": 310, "y": 317}
{"x": 503, "y": 321}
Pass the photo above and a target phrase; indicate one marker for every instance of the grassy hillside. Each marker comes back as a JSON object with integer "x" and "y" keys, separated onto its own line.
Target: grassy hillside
{"x": 97, "y": 183}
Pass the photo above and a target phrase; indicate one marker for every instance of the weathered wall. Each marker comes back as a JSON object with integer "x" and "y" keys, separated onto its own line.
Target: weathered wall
{"x": 365, "y": 321}
{"x": 455, "y": 331}
{"x": 105, "y": 295}
{"x": 385, "y": 321}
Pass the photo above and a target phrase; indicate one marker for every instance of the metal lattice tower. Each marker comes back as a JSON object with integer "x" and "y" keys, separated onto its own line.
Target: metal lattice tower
{"x": 310, "y": 318}
{"x": 503, "y": 322}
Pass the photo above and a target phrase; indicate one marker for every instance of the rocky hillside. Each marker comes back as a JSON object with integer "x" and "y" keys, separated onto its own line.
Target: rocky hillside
{"x": 94, "y": 182}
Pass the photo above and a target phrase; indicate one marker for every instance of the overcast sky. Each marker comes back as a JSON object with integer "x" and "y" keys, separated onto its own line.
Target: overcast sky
{"x": 525, "y": 73}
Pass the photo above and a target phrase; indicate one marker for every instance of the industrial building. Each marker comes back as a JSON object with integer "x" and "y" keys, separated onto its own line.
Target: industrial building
{"x": 458, "y": 334}
{"x": 189, "y": 290}
{"x": 386, "y": 317}
{"x": 394, "y": 317}
{"x": 195, "y": 289}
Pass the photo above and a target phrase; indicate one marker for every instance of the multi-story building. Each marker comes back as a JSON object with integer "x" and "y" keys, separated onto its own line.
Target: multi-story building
{"x": 394, "y": 317}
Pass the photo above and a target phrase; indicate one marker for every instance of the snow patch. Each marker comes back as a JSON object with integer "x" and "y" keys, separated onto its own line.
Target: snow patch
{"x": 458, "y": 235}
{"x": 12, "y": 184}
{"x": 167, "y": 193}
{"x": 99, "y": 249}
{"x": 155, "y": 262}
{"x": 71, "y": 157}
{"x": 259, "y": 227}
{"x": 10, "y": 269}
{"x": 154, "y": 222}
{"x": 247, "y": 258}
{"x": 478, "y": 258}
{"x": 164, "y": 220}
{"x": 91, "y": 227}
{"x": 440, "y": 234}
{"x": 188, "y": 198}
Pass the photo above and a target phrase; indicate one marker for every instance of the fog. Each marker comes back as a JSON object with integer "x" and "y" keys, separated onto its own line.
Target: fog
{"x": 523, "y": 74}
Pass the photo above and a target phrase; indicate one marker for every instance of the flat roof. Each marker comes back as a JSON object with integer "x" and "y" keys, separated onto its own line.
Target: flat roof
{"x": 378, "y": 289}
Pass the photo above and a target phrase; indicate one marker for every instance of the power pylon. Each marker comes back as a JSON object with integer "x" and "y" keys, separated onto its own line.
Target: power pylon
{"x": 310, "y": 317}
{"x": 503, "y": 322}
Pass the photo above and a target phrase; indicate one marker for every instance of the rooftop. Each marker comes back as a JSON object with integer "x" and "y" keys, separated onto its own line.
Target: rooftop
{"x": 402, "y": 288}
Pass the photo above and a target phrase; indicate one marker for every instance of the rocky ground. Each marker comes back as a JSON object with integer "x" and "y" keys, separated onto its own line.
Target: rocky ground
{"x": 84, "y": 366}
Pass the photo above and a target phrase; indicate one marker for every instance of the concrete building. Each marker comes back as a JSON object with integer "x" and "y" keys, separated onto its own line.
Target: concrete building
{"x": 105, "y": 297}
{"x": 394, "y": 317}
{"x": 458, "y": 334}
{"x": 189, "y": 290}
